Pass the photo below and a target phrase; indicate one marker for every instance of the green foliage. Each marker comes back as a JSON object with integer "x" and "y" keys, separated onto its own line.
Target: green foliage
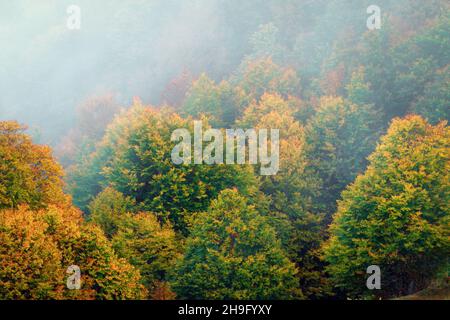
{"x": 139, "y": 165}
{"x": 149, "y": 246}
{"x": 85, "y": 179}
{"x": 263, "y": 75}
{"x": 233, "y": 253}
{"x": 108, "y": 208}
{"x": 221, "y": 103}
{"x": 341, "y": 135}
{"x": 219, "y": 231}
{"x": 269, "y": 102}
{"x": 265, "y": 43}
{"x": 292, "y": 191}
{"x": 137, "y": 237}
{"x": 358, "y": 90}
{"x": 106, "y": 275}
{"x": 434, "y": 105}
{"x": 395, "y": 215}
{"x": 398, "y": 67}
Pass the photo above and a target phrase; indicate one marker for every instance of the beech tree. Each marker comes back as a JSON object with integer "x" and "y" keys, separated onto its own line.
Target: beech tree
{"x": 28, "y": 172}
{"x": 136, "y": 153}
{"x": 150, "y": 246}
{"x": 233, "y": 253}
{"x": 292, "y": 192}
{"x": 108, "y": 209}
{"x": 434, "y": 105}
{"x": 39, "y": 245}
{"x": 222, "y": 103}
{"x": 340, "y": 136}
{"x": 396, "y": 214}
{"x": 262, "y": 75}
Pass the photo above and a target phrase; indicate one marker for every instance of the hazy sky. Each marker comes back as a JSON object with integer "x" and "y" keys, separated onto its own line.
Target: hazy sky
{"x": 132, "y": 48}
{"x": 135, "y": 47}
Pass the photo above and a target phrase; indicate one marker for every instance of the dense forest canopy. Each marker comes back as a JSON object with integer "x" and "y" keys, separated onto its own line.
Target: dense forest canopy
{"x": 86, "y": 133}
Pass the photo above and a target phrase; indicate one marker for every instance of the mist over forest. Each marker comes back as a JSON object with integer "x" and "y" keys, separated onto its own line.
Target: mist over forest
{"x": 358, "y": 91}
{"x": 131, "y": 48}
{"x": 135, "y": 48}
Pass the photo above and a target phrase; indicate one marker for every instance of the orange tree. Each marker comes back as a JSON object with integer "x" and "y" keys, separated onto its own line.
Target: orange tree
{"x": 39, "y": 246}
{"x": 28, "y": 172}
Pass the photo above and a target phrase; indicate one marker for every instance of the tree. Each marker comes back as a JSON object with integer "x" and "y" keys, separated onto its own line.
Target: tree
{"x": 203, "y": 98}
{"x": 434, "y": 105}
{"x": 358, "y": 89}
{"x": 30, "y": 262}
{"x": 399, "y": 63}
{"x": 139, "y": 238}
{"x": 269, "y": 102}
{"x": 265, "y": 43}
{"x": 292, "y": 192}
{"x": 222, "y": 103}
{"x": 262, "y": 75}
{"x": 233, "y": 253}
{"x": 340, "y": 136}
{"x": 28, "y": 172}
{"x": 149, "y": 246}
{"x": 105, "y": 274}
{"x": 39, "y": 245}
{"x": 136, "y": 153}
{"x": 395, "y": 215}
{"x": 92, "y": 118}
{"x": 175, "y": 91}
{"x": 108, "y": 209}
{"x": 85, "y": 180}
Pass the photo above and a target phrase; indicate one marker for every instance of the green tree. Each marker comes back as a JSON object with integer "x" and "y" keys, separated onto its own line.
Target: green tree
{"x": 269, "y": 102}
{"x": 84, "y": 178}
{"x": 358, "y": 89}
{"x": 222, "y": 103}
{"x": 340, "y": 136}
{"x": 265, "y": 43}
{"x": 137, "y": 162}
{"x": 149, "y": 246}
{"x": 434, "y": 105}
{"x": 233, "y": 253}
{"x": 262, "y": 75}
{"x": 292, "y": 192}
{"x": 109, "y": 208}
{"x": 395, "y": 215}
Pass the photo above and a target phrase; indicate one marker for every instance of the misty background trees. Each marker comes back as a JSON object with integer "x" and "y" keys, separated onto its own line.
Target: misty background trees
{"x": 364, "y": 149}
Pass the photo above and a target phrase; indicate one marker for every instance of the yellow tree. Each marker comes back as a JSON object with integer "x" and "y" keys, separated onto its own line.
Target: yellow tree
{"x": 28, "y": 172}
{"x": 396, "y": 214}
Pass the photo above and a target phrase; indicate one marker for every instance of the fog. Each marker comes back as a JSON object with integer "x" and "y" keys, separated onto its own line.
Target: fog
{"x": 130, "y": 48}
{"x": 134, "y": 48}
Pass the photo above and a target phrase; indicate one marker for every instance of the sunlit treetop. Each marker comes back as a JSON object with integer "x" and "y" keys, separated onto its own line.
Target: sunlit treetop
{"x": 28, "y": 172}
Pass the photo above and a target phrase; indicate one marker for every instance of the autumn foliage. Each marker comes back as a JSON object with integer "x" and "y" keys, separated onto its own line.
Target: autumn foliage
{"x": 363, "y": 179}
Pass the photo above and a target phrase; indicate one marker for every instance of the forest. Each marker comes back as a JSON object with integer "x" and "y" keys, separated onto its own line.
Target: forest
{"x": 88, "y": 181}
